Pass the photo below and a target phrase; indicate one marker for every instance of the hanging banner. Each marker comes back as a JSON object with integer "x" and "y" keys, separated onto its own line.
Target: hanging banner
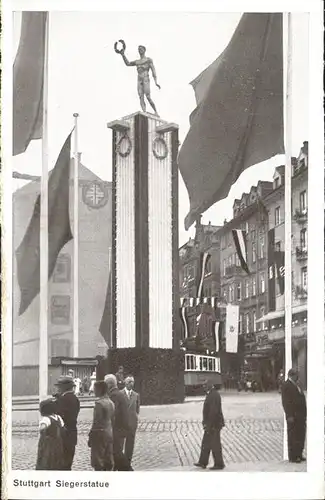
{"x": 271, "y": 274}
{"x": 279, "y": 269}
{"x": 232, "y": 318}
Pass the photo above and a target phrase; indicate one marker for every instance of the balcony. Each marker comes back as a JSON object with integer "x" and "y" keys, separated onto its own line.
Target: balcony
{"x": 301, "y": 253}
{"x": 301, "y": 216}
{"x": 300, "y": 293}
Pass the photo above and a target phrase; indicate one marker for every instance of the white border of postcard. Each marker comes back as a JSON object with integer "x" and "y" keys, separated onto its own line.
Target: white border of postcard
{"x": 186, "y": 484}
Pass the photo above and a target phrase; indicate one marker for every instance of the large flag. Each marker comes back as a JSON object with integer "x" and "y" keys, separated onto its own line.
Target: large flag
{"x": 28, "y": 78}
{"x": 105, "y": 327}
{"x": 238, "y": 121}
{"x": 232, "y": 317}
{"x": 28, "y": 252}
{"x": 241, "y": 247}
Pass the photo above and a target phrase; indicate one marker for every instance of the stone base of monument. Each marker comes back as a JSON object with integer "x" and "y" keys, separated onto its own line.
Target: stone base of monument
{"x": 158, "y": 373}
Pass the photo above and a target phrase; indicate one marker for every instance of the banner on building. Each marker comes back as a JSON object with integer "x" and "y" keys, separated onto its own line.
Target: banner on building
{"x": 279, "y": 269}
{"x": 271, "y": 274}
{"x": 240, "y": 241}
{"x": 232, "y": 318}
{"x": 204, "y": 259}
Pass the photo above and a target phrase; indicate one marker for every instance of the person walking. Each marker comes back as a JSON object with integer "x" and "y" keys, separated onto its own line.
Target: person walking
{"x": 101, "y": 433}
{"x": 50, "y": 444}
{"x": 92, "y": 383}
{"x": 294, "y": 405}
{"x": 120, "y": 425}
{"x": 68, "y": 407}
{"x": 213, "y": 422}
{"x": 133, "y": 404}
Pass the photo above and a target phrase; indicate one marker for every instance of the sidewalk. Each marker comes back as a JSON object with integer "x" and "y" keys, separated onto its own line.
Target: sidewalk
{"x": 247, "y": 467}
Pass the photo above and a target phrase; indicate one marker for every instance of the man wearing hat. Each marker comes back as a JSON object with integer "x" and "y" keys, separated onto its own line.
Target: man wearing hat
{"x": 68, "y": 407}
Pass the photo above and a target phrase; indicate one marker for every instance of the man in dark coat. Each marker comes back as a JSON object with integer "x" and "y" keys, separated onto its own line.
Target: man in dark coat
{"x": 133, "y": 403}
{"x": 121, "y": 423}
{"x": 294, "y": 405}
{"x": 68, "y": 407}
{"x": 213, "y": 422}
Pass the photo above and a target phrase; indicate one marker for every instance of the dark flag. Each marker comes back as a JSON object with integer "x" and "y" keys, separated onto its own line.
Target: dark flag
{"x": 204, "y": 259}
{"x": 105, "y": 328}
{"x": 28, "y": 78}
{"x": 217, "y": 335}
{"x": 279, "y": 267}
{"x": 238, "y": 121}
{"x": 241, "y": 247}
{"x": 28, "y": 252}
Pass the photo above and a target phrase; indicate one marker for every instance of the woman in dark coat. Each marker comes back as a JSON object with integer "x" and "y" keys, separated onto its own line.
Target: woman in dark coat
{"x": 50, "y": 444}
{"x": 101, "y": 434}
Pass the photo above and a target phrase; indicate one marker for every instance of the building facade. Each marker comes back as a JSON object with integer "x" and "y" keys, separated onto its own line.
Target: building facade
{"x": 259, "y": 295}
{"x": 94, "y": 250}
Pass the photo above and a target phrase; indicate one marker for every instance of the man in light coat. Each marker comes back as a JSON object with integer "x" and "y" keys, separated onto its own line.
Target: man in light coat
{"x": 133, "y": 402}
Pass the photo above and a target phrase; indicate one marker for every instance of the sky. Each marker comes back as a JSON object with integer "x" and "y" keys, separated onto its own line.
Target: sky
{"x": 87, "y": 77}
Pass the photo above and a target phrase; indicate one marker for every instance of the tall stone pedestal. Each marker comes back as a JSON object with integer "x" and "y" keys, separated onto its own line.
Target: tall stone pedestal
{"x": 145, "y": 318}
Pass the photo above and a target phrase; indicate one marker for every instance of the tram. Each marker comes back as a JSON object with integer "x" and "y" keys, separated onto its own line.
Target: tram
{"x": 198, "y": 369}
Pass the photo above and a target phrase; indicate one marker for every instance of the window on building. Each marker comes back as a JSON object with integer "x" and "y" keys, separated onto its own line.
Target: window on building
{"x": 246, "y": 289}
{"x": 247, "y": 323}
{"x": 277, "y": 216}
{"x": 262, "y": 314}
{"x": 262, "y": 283}
{"x": 60, "y": 309}
{"x": 231, "y": 293}
{"x": 276, "y": 182}
{"x": 303, "y": 201}
{"x": 303, "y": 239}
{"x": 254, "y": 321}
{"x": 60, "y": 347}
{"x": 304, "y": 278}
{"x": 253, "y": 251}
{"x": 237, "y": 261}
{"x": 253, "y": 234}
{"x": 246, "y": 227}
{"x": 253, "y": 286}
{"x": 277, "y": 246}
{"x": 233, "y": 259}
{"x": 238, "y": 291}
{"x": 62, "y": 270}
{"x": 262, "y": 246}
{"x": 224, "y": 265}
{"x": 240, "y": 324}
{"x": 229, "y": 261}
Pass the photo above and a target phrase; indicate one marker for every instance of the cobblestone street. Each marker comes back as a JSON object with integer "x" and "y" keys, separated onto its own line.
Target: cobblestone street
{"x": 169, "y": 437}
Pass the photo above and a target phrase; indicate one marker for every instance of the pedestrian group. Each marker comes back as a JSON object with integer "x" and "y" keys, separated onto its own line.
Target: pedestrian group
{"x": 115, "y": 420}
{"x": 112, "y": 435}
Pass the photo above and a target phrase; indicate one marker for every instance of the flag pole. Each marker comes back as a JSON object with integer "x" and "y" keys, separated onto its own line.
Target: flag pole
{"x": 76, "y": 241}
{"x": 44, "y": 244}
{"x": 288, "y": 215}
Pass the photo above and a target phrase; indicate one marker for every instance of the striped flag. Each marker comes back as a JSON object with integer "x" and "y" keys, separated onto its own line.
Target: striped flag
{"x": 241, "y": 247}
{"x": 204, "y": 259}
{"x": 28, "y": 79}
{"x": 184, "y": 318}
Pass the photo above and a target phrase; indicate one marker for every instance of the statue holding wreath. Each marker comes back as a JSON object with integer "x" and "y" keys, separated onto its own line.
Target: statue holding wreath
{"x": 143, "y": 65}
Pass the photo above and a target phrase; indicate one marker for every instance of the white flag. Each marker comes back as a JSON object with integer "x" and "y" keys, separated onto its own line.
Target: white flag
{"x": 232, "y": 317}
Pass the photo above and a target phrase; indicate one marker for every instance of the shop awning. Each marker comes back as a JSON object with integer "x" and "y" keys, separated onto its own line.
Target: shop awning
{"x": 280, "y": 313}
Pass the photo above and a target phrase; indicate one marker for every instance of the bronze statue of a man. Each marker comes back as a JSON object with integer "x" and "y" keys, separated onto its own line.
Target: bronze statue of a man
{"x": 143, "y": 65}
